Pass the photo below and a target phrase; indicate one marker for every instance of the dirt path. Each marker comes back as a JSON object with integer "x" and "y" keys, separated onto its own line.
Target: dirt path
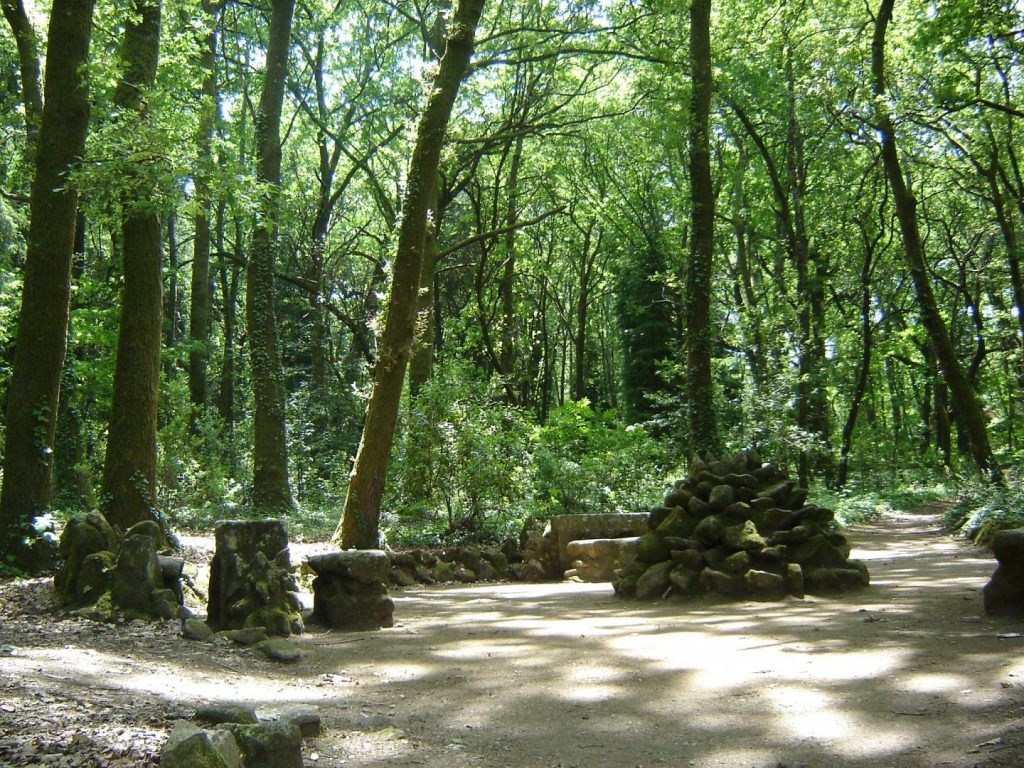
{"x": 907, "y": 673}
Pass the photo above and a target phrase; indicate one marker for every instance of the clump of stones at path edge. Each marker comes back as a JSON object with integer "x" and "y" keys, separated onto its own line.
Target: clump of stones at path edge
{"x": 739, "y": 529}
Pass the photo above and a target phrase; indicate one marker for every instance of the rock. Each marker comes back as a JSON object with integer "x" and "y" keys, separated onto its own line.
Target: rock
{"x": 709, "y": 531}
{"x": 347, "y": 603}
{"x": 777, "y": 519}
{"x": 737, "y": 512}
{"x": 715, "y": 556}
{"x": 704, "y": 488}
{"x": 762, "y": 503}
{"x": 498, "y": 562}
{"x": 268, "y": 744}
{"x": 403, "y": 560}
{"x": 650, "y": 548}
{"x": 654, "y": 581}
{"x": 445, "y": 572}
{"x": 165, "y": 604}
{"x": 149, "y": 528}
{"x": 743, "y": 537}
{"x": 464, "y": 575}
{"x": 367, "y": 566}
{"x": 763, "y": 585}
{"x": 625, "y": 586}
{"x": 743, "y": 480}
{"x": 677, "y": 524}
{"x": 794, "y": 579}
{"x": 532, "y": 571}
{"x": 737, "y": 563}
{"x": 797, "y": 498}
{"x": 136, "y": 575}
{"x": 423, "y": 574}
{"x": 469, "y": 558}
{"x": 194, "y": 629}
{"x": 192, "y": 747}
{"x": 691, "y": 559}
{"x": 400, "y": 577}
{"x": 94, "y": 577}
{"x": 225, "y": 712}
{"x": 679, "y": 497}
{"x": 280, "y": 649}
{"x": 797, "y": 535}
{"x": 684, "y": 580}
{"x": 304, "y": 717}
{"x": 718, "y": 582}
{"x": 245, "y": 636}
{"x": 720, "y": 468}
{"x": 780, "y": 493}
{"x": 698, "y": 508}
{"x": 82, "y": 536}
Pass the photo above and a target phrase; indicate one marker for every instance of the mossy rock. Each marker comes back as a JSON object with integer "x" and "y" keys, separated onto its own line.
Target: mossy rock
{"x": 736, "y": 563}
{"x": 720, "y": 583}
{"x": 650, "y": 548}
{"x": 625, "y": 586}
{"x": 685, "y": 581}
{"x": 709, "y": 531}
{"x": 678, "y": 524}
{"x": 94, "y": 577}
{"x": 763, "y": 585}
{"x": 743, "y": 537}
{"x": 794, "y": 579}
{"x": 655, "y": 580}
{"x": 688, "y": 558}
{"x": 271, "y": 744}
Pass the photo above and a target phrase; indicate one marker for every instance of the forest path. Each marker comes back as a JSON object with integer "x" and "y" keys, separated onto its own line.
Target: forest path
{"x": 907, "y": 673}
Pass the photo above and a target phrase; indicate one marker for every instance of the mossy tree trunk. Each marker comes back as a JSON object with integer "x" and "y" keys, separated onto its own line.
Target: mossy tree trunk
{"x": 966, "y": 402}
{"x": 34, "y": 392}
{"x": 199, "y": 308}
{"x": 271, "y": 491}
{"x": 699, "y": 337}
{"x": 360, "y": 523}
{"x": 129, "y": 471}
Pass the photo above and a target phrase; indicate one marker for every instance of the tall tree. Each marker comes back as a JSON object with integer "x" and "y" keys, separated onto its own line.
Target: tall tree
{"x": 271, "y": 492}
{"x": 360, "y": 523}
{"x": 27, "y": 42}
{"x": 129, "y": 472}
{"x": 699, "y": 337}
{"x": 971, "y": 415}
{"x": 199, "y": 314}
{"x": 33, "y": 400}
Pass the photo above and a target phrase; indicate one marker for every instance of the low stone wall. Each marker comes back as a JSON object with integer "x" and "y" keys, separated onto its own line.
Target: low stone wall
{"x": 597, "y": 560}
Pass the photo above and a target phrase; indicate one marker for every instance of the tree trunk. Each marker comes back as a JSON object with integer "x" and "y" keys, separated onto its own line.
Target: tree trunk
{"x": 199, "y": 309}
{"x": 271, "y": 493}
{"x": 360, "y": 522}
{"x": 421, "y": 363}
{"x": 699, "y": 385}
{"x": 34, "y": 393}
{"x": 129, "y": 472}
{"x": 860, "y": 386}
{"x": 27, "y": 42}
{"x": 508, "y": 277}
{"x": 971, "y": 415}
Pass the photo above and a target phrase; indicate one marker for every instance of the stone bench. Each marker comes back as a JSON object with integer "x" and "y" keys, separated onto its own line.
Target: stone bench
{"x": 615, "y": 525}
{"x": 597, "y": 560}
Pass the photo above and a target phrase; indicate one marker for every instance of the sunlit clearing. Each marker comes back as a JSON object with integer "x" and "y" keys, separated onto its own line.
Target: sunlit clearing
{"x": 936, "y": 683}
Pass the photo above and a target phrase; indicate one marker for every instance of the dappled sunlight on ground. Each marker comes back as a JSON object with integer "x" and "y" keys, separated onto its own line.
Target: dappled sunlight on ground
{"x": 907, "y": 673}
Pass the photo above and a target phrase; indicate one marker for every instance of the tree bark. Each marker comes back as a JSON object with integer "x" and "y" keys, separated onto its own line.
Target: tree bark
{"x": 33, "y": 397}
{"x": 27, "y": 42}
{"x": 199, "y": 308}
{"x": 360, "y": 523}
{"x": 964, "y": 399}
{"x": 699, "y": 385}
{"x": 271, "y": 492}
{"x": 129, "y": 471}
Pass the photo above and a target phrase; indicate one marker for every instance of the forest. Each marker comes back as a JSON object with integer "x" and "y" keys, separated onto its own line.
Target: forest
{"x": 418, "y": 272}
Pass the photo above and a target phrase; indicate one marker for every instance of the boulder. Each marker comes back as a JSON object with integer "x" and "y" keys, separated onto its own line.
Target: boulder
{"x": 655, "y": 580}
{"x": 192, "y": 747}
{"x": 136, "y": 575}
{"x": 225, "y": 712}
{"x": 1003, "y": 595}
{"x": 268, "y": 744}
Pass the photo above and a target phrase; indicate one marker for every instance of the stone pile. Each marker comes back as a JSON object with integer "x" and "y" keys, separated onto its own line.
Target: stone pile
{"x": 739, "y": 529}
{"x": 105, "y": 572}
{"x": 466, "y": 565}
{"x": 350, "y": 589}
{"x": 251, "y": 579}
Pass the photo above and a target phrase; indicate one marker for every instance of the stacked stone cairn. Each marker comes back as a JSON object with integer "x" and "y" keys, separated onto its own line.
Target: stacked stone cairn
{"x": 106, "y": 573}
{"x": 251, "y": 579}
{"x": 739, "y": 529}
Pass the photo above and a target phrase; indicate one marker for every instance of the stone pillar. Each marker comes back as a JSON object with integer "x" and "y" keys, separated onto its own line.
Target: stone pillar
{"x": 349, "y": 591}
{"x": 1004, "y": 594}
{"x": 251, "y": 584}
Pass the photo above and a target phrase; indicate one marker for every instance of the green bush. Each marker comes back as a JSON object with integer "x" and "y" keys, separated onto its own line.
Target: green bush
{"x": 983, "y": 509}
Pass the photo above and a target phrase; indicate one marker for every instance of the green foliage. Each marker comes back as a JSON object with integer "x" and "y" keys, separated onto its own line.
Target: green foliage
{"x": 462, "y": 464}
{"x": 863, "y": 504}
{"x": 586, "y": 462}
{"x": 983, "y": 509}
